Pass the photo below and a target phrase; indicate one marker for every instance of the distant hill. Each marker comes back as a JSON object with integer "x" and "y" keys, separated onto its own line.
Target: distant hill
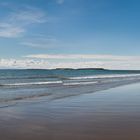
{"x": 80, "y": 69}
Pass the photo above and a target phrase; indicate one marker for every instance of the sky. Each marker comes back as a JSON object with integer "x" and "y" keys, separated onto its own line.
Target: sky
{"x": 50, "y": 34}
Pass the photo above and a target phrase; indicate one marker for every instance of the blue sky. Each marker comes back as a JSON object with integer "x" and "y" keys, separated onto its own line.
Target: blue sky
{"x": 70, "y": 33}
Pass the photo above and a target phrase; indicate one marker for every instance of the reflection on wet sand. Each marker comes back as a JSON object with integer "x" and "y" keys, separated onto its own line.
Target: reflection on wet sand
{"x": 106, "y": 115}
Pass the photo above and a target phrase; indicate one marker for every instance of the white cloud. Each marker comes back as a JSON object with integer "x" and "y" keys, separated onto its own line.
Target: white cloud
{"x": 16, "y": 23}
{"x": 20, "y": 63}
{"x": 73, "y": 61}
{"x": 43, "y": 64}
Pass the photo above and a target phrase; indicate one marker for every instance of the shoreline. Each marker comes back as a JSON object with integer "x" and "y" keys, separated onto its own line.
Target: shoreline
{"x": 103, "y": 115}
{"x": 62, "y": 91}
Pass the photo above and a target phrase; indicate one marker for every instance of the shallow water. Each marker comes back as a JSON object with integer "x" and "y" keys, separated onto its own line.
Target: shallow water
{"x": 112, "y": 114}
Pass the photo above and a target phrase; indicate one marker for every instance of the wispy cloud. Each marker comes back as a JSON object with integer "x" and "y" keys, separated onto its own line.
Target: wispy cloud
{"x": 10, "y": 31}
{"x": 60, "y": 1}
{"x": 5, "y": 4}
{"x": 40, "y": 42}
{"x": 84, "y": 56}
{"x": 28, "y": 15}
{"x": 16, "y": 22}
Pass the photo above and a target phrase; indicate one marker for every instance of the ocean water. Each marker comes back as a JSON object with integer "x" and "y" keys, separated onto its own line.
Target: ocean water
{"x": 32, "y": 83}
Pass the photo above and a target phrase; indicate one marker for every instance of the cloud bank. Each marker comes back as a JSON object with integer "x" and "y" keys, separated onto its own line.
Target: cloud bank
{"x": 47, "y": 61}
{"x": 83, "y": 56}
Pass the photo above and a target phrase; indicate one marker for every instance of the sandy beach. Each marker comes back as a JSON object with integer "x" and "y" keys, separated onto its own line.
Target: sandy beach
{"x": 113, "y": 114}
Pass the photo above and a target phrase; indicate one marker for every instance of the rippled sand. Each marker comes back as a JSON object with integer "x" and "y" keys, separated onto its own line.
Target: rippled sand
{"x": 113, "y": 114}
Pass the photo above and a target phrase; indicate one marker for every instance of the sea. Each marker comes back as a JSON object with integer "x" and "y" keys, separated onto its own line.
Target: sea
{"x": 28, "y": 84}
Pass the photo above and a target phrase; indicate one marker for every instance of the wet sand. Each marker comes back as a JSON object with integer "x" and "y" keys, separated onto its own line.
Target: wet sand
{"x": 112, "y": 114}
